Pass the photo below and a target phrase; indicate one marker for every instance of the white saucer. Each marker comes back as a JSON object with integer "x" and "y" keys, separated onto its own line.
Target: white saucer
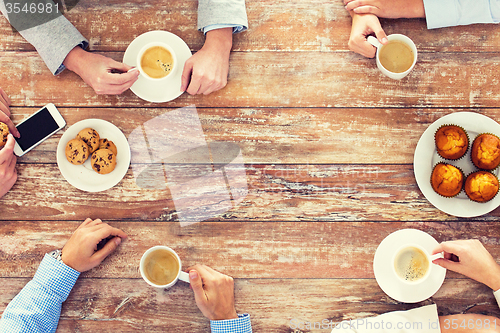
{"x": 168, "y": 89}
{"x": 386, "y": 278}
{"x": 426, "y": 157}
{"x": 83, "y": 177}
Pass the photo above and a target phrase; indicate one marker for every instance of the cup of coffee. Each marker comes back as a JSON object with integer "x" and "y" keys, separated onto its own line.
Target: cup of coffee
{"x": 397, "y": 58}
{"x": 156, "y": 61}
{"x": 412, "y": 263}
{"x": 161, "y": 267}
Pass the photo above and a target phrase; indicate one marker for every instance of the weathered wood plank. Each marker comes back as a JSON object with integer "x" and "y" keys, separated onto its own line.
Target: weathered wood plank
{"x": 298, "y": 25}
{"x": 275, "y": 193}
{"x": 284, "y": 79}
{"x": 282, "y": 135}
{"x": 108, "y": 305}
{"x": 302, "y": 250}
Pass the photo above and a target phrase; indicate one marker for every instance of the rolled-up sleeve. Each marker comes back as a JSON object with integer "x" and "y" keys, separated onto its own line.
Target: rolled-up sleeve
{"x": 448, "y": 13}
{"x": 228, "y": 12}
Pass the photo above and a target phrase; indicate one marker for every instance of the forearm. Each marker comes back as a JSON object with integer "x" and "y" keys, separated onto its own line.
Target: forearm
{"x": 220, "y": 39}
{"x": 37, "y": 307}
{"x": 53, "y": 36}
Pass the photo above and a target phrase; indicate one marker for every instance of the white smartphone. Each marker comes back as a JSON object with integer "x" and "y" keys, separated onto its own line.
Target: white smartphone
{"x": 38, "y": 127}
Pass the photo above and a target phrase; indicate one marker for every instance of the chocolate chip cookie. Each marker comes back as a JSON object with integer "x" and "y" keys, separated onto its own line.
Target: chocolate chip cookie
{"x": 90, "y": 137}
{"x": 77, "y": 151}
{"x": 4, "y": 131}
{"x": 103, "y": 161}
{"x": 107, "y": 144}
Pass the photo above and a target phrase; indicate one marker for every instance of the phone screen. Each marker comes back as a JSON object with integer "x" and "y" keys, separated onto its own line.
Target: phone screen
{"x": 36, "y": 128}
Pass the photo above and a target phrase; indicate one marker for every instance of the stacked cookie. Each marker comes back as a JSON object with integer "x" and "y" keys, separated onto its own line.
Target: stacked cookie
{"x": 87, "y": 143}
{"x": 4, "y": 132}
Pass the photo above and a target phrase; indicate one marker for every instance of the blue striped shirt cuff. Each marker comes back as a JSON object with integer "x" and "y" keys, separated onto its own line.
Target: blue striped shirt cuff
{"x": 56, "y": 275}
{"x": 238, "y": 325}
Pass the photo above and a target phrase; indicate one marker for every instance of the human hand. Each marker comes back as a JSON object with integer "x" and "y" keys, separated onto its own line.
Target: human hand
{"x": 206, "y": 71}
{"x": 213, "y": 292}
{"x": 470, "y": 258}
{"x": 8, "y": 173}
{"x": 100, "y": 72}
{"x": 387, "y": 8}
{"x": 5, "y": 113}
{"x": 363, "y": 26}
{"x": 80, "y": 252}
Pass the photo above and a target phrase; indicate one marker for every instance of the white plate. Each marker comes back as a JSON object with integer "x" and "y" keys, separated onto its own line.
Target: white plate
{"x": 83, "y": 177}
{"x": 168, "y": 89}
{"x": 389, "y": 282}
{"x": 426, "y": 157}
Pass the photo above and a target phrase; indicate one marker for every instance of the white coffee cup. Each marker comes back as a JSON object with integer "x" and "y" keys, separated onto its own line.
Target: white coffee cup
{"x": 179, "y": 274}
{"x": 400, "y": 257}
{"x": 395, "y": 37}
{"x": 147, "y": 47}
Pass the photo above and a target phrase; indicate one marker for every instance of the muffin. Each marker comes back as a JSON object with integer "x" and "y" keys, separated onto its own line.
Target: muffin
{"x": 77, "y": 151}
{"x": 447, "y": 180}
{"x": 485, "y": 152}
{"x": 481, "y": 186}
{"x": 452, "y": 142}
{"x": 4, "y": 132}
{"x": 90, "y": 137}
{"x": 107, "y": 144}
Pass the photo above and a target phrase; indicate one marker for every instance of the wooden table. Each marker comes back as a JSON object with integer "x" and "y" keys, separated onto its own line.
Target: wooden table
{"x": 328, "y": 144}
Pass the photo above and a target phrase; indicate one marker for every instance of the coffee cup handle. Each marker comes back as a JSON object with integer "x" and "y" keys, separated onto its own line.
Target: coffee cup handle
{"x": 183, "y": 276}
{"x": 374, "y": 41}
{"x": 436, "y": 256}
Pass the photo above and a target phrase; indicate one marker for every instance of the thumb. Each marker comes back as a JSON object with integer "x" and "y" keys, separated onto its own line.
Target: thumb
{"x": 381, "y": 36}
{"x": 186, "y": 75}
{"x": 107, "y": 249}
{"x": 197, "y": 285}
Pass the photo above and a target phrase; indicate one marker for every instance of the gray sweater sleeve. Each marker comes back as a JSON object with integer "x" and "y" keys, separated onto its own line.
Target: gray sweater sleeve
{"x": 53, "y": 39}
{"x": 222, "y": 12}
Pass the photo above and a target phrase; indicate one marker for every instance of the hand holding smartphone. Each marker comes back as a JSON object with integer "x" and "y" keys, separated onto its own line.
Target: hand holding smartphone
{"x": 37, "y": 128}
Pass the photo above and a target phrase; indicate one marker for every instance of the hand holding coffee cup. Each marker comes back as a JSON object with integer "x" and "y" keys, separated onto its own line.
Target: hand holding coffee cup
{"x": 397, "y": 58}
{"x": 156, "y": 61}
{"x": 161, "y": 267}
{"x": 412, "y": 263}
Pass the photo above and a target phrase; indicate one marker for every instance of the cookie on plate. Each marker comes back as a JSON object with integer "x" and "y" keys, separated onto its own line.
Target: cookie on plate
{"x": 90, "y": 137}
{"x": 77, "y": 151}
{"x": 103, "y": 161}
{"x": 107, "y": 144}
{"x": 4, "y": 131}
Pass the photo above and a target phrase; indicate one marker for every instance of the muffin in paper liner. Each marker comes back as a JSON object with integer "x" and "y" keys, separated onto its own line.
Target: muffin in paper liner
{"x": 447, "y": 180}
{"x": 481, "y": 189}
{"x": 452, "y": 144}
{"x": 494, "y": 153}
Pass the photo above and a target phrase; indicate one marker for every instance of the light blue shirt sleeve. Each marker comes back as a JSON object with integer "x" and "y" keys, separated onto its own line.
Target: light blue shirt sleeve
{"x": 448, "y": 13}
{"x": 239, "y": 325}
{"x": 236, "y": 28}
{"x": 37, "y": 307}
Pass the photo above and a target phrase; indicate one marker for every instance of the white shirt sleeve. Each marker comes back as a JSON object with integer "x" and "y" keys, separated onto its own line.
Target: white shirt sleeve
{"x": 447, "y": 13}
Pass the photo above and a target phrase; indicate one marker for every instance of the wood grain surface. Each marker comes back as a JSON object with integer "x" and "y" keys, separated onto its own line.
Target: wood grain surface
{"x": 327, "y": 143}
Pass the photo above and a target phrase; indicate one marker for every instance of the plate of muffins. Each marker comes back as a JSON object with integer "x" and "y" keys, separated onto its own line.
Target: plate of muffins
{"x": 93, "y": 155}
{"x": 456, "y": 164}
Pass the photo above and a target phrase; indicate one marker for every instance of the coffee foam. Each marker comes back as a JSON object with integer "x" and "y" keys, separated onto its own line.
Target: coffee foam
{"x": 411, "y": 264}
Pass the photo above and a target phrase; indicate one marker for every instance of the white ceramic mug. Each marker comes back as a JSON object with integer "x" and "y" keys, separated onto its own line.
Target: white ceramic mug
{"x": 148, "y": 46}
{"x": 183, "y": 276}
{"x": 428, "y": 257}
{"x": 396, "y": 76}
